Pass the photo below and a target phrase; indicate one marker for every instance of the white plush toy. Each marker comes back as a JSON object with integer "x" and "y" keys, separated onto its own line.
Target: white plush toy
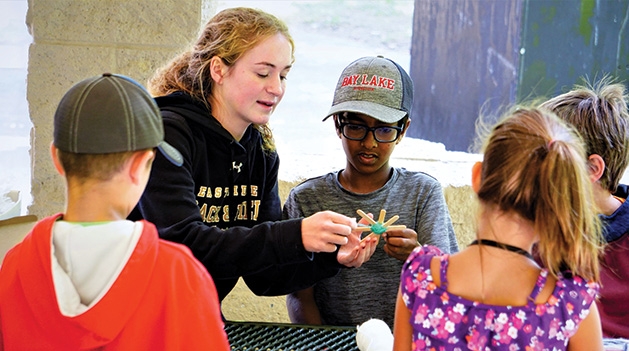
{"x": 374, "y": 335}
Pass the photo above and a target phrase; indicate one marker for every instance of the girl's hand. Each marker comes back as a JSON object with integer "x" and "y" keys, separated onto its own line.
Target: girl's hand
{"x": 357, "y": 251}
{"x": 323, "y": 231}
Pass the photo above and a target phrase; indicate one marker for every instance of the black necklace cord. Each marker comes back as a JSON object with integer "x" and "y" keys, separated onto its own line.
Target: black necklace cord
{"x": 503, "y": 246}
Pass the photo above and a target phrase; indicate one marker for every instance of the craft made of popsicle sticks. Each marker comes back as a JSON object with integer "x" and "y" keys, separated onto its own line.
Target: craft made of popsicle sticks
{"x": 380, "y": 226}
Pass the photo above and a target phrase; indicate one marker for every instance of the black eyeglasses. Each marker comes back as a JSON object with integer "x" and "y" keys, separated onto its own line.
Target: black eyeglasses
{"x": 358, "y": 132}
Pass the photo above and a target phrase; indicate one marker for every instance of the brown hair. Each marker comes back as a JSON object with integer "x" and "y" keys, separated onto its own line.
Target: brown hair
{"x": 101, "y": 167}
{"x": 534, "y": 165}
{"x": 228, "y": 35}
{"x": 599, "y": 113}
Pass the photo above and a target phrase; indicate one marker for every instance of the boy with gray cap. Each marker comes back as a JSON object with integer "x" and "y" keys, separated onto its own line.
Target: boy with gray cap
{"x": 370, "y": 110}
{"x": 88, "y": 278}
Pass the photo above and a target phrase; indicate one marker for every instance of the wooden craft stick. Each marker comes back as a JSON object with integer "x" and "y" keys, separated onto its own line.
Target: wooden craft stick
{"x": 379, "y": 227}
{"x": 365, "y": 216}
{"x": 396, "y": 227}
{"x": 383, "y": 212}
{"x": 391, "y": 220}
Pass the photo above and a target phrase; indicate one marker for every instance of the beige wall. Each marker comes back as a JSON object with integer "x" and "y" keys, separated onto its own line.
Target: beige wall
{"x": 74, "y": 39}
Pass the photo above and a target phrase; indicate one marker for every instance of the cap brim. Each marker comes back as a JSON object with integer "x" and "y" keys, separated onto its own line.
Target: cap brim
{"x": 173, "y": 155}
{"x": 377, "y": 111}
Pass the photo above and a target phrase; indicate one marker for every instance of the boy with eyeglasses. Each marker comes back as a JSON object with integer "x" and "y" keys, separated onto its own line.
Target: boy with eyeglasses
{"x": 370, "y": 110}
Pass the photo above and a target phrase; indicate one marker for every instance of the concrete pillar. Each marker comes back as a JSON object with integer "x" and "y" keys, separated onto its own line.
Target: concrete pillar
{"x": 75, "y": 39}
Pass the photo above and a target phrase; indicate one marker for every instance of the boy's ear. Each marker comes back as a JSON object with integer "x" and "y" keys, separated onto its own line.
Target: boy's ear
{"x": 139, "y": 163}
{"x": 403, "y": 133}
{"x": 596, "y": 167}
{"x": 55, "y": 159}
{"x": 218, "y": 69}
{"x": 476, "y": 175}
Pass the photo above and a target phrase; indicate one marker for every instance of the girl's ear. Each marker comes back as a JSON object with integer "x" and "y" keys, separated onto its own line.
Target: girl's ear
{"x": 476, "y": 172}
{"x": 218, "y": 69}
{"x": 55, "y": 159}
{"x": 596, "y": 167}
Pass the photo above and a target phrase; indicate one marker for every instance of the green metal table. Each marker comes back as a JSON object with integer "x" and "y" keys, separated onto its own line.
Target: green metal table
{"x": 250, "y": 336}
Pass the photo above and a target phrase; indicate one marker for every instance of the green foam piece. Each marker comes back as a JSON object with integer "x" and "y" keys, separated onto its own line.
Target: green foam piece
{"x": 378, "y": 228}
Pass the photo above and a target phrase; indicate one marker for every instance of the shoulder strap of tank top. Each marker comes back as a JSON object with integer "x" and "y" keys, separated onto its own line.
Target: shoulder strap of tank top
{"x": 541, "y": 281}
{"x": 444, "y": 269}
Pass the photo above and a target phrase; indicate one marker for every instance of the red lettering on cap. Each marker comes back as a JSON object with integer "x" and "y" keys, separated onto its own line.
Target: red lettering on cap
{"x": 364, "y": 79}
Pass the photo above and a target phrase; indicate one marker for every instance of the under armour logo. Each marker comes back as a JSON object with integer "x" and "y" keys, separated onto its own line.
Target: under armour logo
{"x": 236, "y": 167}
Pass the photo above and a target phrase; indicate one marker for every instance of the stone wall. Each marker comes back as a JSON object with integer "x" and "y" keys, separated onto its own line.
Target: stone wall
{"x": 75, "y": 39}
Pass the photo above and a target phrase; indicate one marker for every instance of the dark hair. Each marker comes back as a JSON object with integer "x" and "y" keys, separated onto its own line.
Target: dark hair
{"x": 401, "y": 123}
{"x": 100, "y": 167}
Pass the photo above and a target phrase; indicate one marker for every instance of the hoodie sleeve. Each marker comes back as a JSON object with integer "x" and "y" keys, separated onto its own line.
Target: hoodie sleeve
{"x": 282, "y": 280}
{"x": 169, "y": 202}
{"x": 290, "y": 278}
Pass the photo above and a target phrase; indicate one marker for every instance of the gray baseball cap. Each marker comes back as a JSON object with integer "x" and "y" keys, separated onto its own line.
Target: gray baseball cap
{"x": 110, "y": 113}
{"x": 374, "y": 86}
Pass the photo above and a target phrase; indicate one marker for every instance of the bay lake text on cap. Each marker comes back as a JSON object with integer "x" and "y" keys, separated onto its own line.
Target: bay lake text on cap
{"x": 375, "y": 86}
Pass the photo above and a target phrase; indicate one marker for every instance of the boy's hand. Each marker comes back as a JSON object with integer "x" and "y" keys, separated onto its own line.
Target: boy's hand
{"x": 400, "y": 243}
{"x": 322, "y": 231}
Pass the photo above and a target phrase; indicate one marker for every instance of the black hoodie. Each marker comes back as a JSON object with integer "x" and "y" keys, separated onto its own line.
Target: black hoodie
{"x": 223, "y": 203}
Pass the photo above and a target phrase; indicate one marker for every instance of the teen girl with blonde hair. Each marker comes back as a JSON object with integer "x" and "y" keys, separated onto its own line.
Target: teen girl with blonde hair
{"x": 216, "y": 99}
{"x": 533, "y": 188}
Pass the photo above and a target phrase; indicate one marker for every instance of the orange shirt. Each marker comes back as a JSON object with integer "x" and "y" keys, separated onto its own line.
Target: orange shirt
{"x": 164, "y": 299}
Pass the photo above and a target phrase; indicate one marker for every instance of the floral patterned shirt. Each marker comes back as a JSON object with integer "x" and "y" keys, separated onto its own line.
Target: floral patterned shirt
{"x": 442, "y": 321}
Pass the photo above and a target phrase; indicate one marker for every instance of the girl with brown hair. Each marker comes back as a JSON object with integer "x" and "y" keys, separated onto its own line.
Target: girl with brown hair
{"x": 533, "y": 189}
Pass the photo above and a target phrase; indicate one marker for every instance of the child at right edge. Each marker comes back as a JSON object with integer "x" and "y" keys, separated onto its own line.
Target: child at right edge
{"x": 599, "y": 113}
{"x": 533, "y": 189}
